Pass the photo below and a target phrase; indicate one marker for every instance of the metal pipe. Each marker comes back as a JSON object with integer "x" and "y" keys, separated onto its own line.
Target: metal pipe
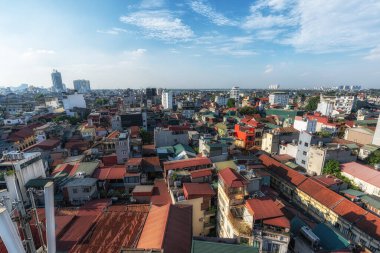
{"x": 50, "y": 219}
{"x": 8, "y": 233}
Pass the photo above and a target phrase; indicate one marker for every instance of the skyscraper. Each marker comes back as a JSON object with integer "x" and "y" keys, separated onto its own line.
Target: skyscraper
{"x": 235, "y": 94}
{"x": 82, "y": 86}
{"x": 56, "y": 79}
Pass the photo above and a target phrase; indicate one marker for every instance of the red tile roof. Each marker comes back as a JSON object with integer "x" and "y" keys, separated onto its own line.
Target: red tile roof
{"x": 48, "y": 144}
{"x": 168, "y": 227}
{"x": 282, "y": 170}
{"x": 362, "y": 219}
{"x": 113, "y": 135}
{"x": 161, "y": 194}
{"x": 196, "y": 190}
{"x": 278, "y": 222}
{"x": 117, "y": 227}
{"x": 191, "y": 162}
{"x": 264, "y": 208}
{"x": 135, "y": 131}
{"x": 109, "y": 173}
{"x": 109, "y": 160}
{"x": 201, "y": 173}
{"x": 231, "y": 178}
{"x": 134, "y": 162}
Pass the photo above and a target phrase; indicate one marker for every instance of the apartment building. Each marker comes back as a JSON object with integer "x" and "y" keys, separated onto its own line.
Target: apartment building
{"x": 355, "y": 224}
{"x": 328, "y": 104}
{"x": 279, "y": 98}
{"x": 319, "y": 154}
{"x": 171, "y": 136}
{"x": 272, "y": 140}
{"x": 257, "y": 221}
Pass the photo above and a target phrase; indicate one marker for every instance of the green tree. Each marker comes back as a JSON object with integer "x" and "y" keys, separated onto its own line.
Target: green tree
{"x": 231, "y": 103}
{"x": 146, "y": 136}
{"x": 332, "y": 167}
{"x": 313, "y": 103}
{"x": 374, "y": 157}
{"x": 248, "y": 110}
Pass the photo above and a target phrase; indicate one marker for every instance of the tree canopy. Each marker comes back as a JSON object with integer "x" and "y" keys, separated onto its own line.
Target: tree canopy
{"x": 313, "y": 103}
{"x": 231, "y": 103}
{"x": 332, "y": 167}
{"x": 248, "y": 110}
{"x": 374, "y": 157}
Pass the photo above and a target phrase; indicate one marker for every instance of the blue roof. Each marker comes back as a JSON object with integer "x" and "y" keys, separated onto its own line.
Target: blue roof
{"x": 329, "y": 240}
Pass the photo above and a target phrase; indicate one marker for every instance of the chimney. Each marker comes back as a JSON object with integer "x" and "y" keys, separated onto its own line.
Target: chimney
{"x": 8, "y": 233}
{"x": 50, "y": 219}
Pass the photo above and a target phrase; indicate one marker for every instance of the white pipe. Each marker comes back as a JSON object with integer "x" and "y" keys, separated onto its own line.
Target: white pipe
{"x": 50, "y": 219}
{"x": 9, "y": 234}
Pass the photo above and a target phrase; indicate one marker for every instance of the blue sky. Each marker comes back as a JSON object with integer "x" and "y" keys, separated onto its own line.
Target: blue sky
{"x": 192, "y": 43}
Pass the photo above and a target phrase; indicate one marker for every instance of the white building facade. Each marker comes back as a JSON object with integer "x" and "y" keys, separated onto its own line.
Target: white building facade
{"x": 167, "y": 100}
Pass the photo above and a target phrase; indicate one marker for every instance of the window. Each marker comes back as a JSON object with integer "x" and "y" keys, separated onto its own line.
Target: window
{"x": 304, "y": 153}
{"x": 86, "y": 189}
{"x": 303, "y": 162}
{"x": 300, "y": 142}
{"x": 124, "y": 152}
{"x": 75, "y": 191}
{"x": 306, "y": 144}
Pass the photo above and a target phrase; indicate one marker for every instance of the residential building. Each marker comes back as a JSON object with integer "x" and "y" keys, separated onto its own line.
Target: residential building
{"x": 343, "y": 216}
{"x": 366, "y": 150}
{"x": 256, "y": 221}
{"x": 185, "y": 167}
{"x": 150, "y": 93}
{"x": 167, "y": 100}
{"x": 171, "y": 136}
{"x": 279, "y": 98}
{"x": 305, "y": 124}
{"x": 248, "y": 133}
{"x": 365, "y": 177}
{"x": 16, "y": 169}
{"x": 200, "y": 197}
{"x": 361, "y": 135}
{"x": 56, "y": 79}
{"x": 221, "y": 100}
{"x": 82, "y": 86}
{"x": 318, "y": 155}
{"x": 279, "y": 136}
{"x": 328, "y": 104}
{"x": 306, "y": 140}
{"x": 134, "y": 118}
{"x": 80, "y": 190}
{"x": 235, "y": 94}
{"x": 73, "y": 100}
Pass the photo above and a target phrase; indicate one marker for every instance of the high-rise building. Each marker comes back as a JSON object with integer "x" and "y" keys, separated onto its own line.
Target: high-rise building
{"x": 234, "y": 93}
{"x": 150, "y": 92}
{"x": 56, "y": 79}
{"x": 279, "y": 98}
{"x": 167, "y": 100}
{"x": 82, "y": 86}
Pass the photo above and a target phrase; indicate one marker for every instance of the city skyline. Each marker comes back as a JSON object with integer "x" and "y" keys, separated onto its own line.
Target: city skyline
{"x": 191, "y": 44}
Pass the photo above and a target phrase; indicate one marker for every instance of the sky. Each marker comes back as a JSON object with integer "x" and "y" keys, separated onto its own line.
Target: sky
{"x": 191, "y": 43}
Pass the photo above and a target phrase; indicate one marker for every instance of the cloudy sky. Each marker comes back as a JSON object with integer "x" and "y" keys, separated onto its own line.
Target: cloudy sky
{"x": 191, "y": 43}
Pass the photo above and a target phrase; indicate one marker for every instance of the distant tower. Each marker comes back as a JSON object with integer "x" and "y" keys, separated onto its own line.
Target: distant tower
{"x": 82, "y": 86}
{"x": 56, "y": 79}
{"x": 376, "y": 137}
{"x": 234, "y": 93}
{"x": 167, "y": 100}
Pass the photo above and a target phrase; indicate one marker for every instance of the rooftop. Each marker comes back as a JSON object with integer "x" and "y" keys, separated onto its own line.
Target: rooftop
{"x": 231, "y": 178}
{"x": 362, "y": 172}
{"x": 191, "y": 162}
{"x": 167, "y": 227}
{"x": 196, "y": 190}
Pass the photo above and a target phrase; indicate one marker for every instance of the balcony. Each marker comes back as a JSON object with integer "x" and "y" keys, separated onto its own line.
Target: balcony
{"x": 239, "y": 224}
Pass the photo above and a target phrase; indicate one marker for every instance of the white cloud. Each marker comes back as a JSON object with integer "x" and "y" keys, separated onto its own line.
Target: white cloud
{"x": 206, "y": 10}
{"x": 268, "y": 34}
{"x": 268, "y": 69}
{"x": 160, "y": 24}
{"x": 151, "y": 4}
{"x": 374, "y": 54}
{"x": 113, "y": 31}
{"x": 242, "y": 40}
{"x": 32, "y": 52}
{"x": 231, "y": 51}
{"x": 336, "y": 26}
{"x": 135, "y": 54}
